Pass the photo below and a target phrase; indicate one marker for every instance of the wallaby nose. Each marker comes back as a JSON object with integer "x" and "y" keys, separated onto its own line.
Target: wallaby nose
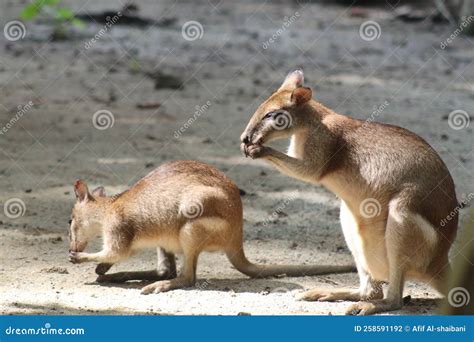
{"x": 246, "y": 139}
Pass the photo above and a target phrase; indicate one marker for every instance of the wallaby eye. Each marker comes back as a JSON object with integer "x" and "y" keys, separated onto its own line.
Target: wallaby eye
{"x": 268, "y": 115}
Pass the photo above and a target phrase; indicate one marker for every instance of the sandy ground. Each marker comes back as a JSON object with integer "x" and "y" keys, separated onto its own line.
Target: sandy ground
{"x": 55, "y": 142}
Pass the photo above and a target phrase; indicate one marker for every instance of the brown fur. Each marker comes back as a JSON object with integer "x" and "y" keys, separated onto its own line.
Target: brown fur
{"x": 362, "y": 161}
{"x": 157, "y": 212}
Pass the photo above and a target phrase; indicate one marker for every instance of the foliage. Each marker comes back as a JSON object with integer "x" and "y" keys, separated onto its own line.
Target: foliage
{"x": 51, "y": 8}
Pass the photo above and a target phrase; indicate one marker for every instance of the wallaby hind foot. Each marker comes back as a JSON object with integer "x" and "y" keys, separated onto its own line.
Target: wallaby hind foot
{"x": 324, "y": 295}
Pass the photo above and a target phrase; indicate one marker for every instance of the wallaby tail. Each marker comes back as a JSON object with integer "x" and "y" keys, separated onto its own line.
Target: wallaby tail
{"x": 242, "y": 264}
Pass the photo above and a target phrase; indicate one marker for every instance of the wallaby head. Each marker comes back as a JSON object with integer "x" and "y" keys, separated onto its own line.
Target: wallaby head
{"x": 279, "y": 116}
{"x": 86, "y": 217}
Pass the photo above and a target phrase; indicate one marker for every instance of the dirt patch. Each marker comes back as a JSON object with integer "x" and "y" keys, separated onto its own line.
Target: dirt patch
{"x": 55, "y": 269}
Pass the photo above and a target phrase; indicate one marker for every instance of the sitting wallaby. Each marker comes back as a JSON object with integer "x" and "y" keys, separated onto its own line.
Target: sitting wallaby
{"x": 183, "y": 207}
{"x": 396, "y": 191}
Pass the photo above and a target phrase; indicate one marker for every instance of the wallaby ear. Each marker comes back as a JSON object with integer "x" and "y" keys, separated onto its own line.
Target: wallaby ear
{"x": 81, "y": 190}
{"x": 294, "y": 79}
{"x": 99, "y": 192}
{"x": 301, "y": 95}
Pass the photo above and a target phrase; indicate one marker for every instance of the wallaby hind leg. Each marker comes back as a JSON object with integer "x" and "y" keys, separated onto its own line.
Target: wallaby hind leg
{"x": 165, "y": 269}
{"x": 438, "y": 277}
{"x": 187, "y": 278}
{"x": 368, "y": 288}
{"x": 166, "y": 264}
{"x": 398, "y": 260}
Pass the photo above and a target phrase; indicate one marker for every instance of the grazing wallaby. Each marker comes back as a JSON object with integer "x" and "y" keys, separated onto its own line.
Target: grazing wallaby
{"x": 183, "y": 207}
{"x": 396, "y": 191}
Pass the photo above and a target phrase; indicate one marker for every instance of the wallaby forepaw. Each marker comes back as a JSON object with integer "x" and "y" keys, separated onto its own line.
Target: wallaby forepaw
{"x": 76, "y": 257}
{"x": 256, "y": 151}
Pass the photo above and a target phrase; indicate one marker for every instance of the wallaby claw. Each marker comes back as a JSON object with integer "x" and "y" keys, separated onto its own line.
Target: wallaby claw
{"x": 243, "y": 148}
{"x": 73, "y": 257}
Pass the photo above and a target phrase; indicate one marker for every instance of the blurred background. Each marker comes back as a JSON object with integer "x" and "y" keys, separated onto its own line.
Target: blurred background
{"x": 107, "y": 90}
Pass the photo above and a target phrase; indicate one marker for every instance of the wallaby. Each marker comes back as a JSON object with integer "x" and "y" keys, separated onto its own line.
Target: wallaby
{"x": 398, "y": 209}
{"x": 183, "y": 207}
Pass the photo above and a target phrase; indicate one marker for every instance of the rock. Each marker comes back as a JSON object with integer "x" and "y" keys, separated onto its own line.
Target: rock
{"x": 165, "y": 81}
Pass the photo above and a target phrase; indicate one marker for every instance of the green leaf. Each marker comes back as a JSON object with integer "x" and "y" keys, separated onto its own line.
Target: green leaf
{"x": 32, "y": 10}
{"x": 29, "y": 12}
{"x": 78, "y": 23}
{"x": 64, "y": 13}
{"x": 135, "y": 64}
{"x": 50, "y": 2}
